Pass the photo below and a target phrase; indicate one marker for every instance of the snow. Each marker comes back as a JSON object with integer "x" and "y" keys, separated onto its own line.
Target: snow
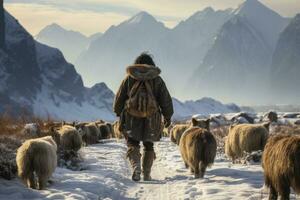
{"x": 48, "y": 104}
{"x": 204, "y": 107}
{"x": 108, "y": 177}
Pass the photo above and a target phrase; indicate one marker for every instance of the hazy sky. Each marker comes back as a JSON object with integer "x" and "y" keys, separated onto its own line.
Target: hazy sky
{"x": 90, "y": 16}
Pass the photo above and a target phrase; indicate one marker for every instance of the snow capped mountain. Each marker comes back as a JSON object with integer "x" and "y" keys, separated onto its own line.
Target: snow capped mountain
{"x": 71, "y": 43}
{"x": 108, "y": 56}
{"x": 238, "y": 64}
{"x": 202, "y": 106}
{"x": 176, "y": 51}
{"x": 45, "y": 84}
{"x": 38, "y": 78}
{"x": 286, "y": 65}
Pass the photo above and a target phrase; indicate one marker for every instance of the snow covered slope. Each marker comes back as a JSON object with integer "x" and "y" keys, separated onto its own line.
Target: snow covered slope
{"x": 38, "y": 78}
{"x": 71, "y": 43}
{"x": 204, "y": 106}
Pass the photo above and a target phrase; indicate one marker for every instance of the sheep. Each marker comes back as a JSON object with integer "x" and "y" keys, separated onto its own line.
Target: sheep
{"x": 245, "y": 138}
{"x": 110, "y": 128}
{"x": 104, "y": 131}
{"x": 177, "y": 131}
{"x": 272, "y": 116}
{"x": 198, "y": 147}
{"x": 281, "y": 164}
{"x": 37, "y": 156}
{"x": 32, "y": 130}
{"x": 89, "y": 132}
{"x": 70, "y": 138}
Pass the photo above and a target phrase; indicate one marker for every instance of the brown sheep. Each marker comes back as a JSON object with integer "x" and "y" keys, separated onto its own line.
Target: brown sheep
{"x": 37, "y": 156}
{"x": 245, "y": 138}
{"x": 104, "y": 131}
{"x": 272, "y": 116}
{"x": 70, "y": 138}
{"x": 177, "y": 131}
{"x": 198, "y": 147}
{"x": 281, "y": 164}
{"x": 89, "y": 132}
{"x": 110, "y": 128}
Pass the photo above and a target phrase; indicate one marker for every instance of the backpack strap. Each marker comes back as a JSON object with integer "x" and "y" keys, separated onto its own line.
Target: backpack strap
{"x": 149, "y": 89}
{"x": 134, "y": 88}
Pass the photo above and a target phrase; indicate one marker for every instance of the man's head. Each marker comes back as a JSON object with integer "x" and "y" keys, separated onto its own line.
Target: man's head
{"x": 144, "y": 58}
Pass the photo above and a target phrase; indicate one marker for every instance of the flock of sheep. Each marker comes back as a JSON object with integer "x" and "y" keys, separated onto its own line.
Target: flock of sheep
{"x": 280, "y": 158}
{"x": 197, "y": 144}
{"x": 39, "y": 155}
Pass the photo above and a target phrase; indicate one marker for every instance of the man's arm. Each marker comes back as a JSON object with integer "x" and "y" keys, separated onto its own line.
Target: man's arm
{"x": 121, "y": 97}
{"x": 164, "y": 100}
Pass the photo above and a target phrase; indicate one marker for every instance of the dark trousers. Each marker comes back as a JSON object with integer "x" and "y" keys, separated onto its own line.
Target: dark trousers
{"x": 148, "y": 146}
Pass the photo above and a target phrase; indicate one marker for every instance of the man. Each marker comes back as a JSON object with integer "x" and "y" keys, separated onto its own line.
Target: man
{"x": 140, "y": 102}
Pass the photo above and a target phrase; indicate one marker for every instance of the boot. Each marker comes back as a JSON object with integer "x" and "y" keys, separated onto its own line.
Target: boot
{"x": 148, "y": 158}
{"x": 134, "y": 156}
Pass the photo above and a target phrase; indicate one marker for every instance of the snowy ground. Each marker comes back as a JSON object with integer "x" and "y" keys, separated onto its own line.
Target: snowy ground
{"x": 108, "y": 177}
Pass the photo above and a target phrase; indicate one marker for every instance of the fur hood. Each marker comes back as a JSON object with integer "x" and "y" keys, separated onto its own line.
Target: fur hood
{"x": 143, "y": 72}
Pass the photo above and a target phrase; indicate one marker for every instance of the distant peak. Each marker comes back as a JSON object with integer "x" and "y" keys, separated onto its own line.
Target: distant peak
{"x": 250, "y": 5}
{"x": 54, "y": 25}
{"x": 141, "y": 16}
{"x": 208, "y": 10}
{"x": 200, "y": 14}
{"x": 254, "y": 7}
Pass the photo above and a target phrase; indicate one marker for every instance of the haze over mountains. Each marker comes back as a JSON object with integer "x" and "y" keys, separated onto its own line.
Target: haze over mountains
{"x": 37, "y": 79}
{"x": 71, "y": 43}
{"x": 224, "y": 54}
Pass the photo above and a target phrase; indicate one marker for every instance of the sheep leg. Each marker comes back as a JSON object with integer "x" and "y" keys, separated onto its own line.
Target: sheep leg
{"x": 31, "y": 181}
{"x": 186, "y": 165}
{"x": 202, "y": 169}
{"x": 42, "y": 182}
{"x": 273, "y": 194}
{"x": 197, "y": 171}
{"x": 286, "y": 194}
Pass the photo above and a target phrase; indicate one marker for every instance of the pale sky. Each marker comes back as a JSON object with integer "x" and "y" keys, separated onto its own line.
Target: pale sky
{"x": 91, "y": 16}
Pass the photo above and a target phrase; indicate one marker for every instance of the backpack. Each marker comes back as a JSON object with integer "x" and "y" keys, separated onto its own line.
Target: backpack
{"x": 141, "y": 102}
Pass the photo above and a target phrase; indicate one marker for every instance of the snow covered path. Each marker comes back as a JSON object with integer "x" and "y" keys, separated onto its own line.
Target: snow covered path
{"x": 108, "y": 177}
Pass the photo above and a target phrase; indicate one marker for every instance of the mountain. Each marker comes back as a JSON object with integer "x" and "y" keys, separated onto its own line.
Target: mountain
{"x": 71, "y": 43}
{"x": 94, "y": 37}
{"x": 238, "y": 64}
{"x": 182, "y": 48}
{"x": 176, "y": 51}
{"x": 204, "y": 106}
{"x": 109, "y": 55}
{"x": 37, "y": 78}
{"x": 286, "y": 65}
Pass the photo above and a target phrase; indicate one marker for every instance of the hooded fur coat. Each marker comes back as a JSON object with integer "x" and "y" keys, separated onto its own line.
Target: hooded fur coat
{"x": 143, "y": 129}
